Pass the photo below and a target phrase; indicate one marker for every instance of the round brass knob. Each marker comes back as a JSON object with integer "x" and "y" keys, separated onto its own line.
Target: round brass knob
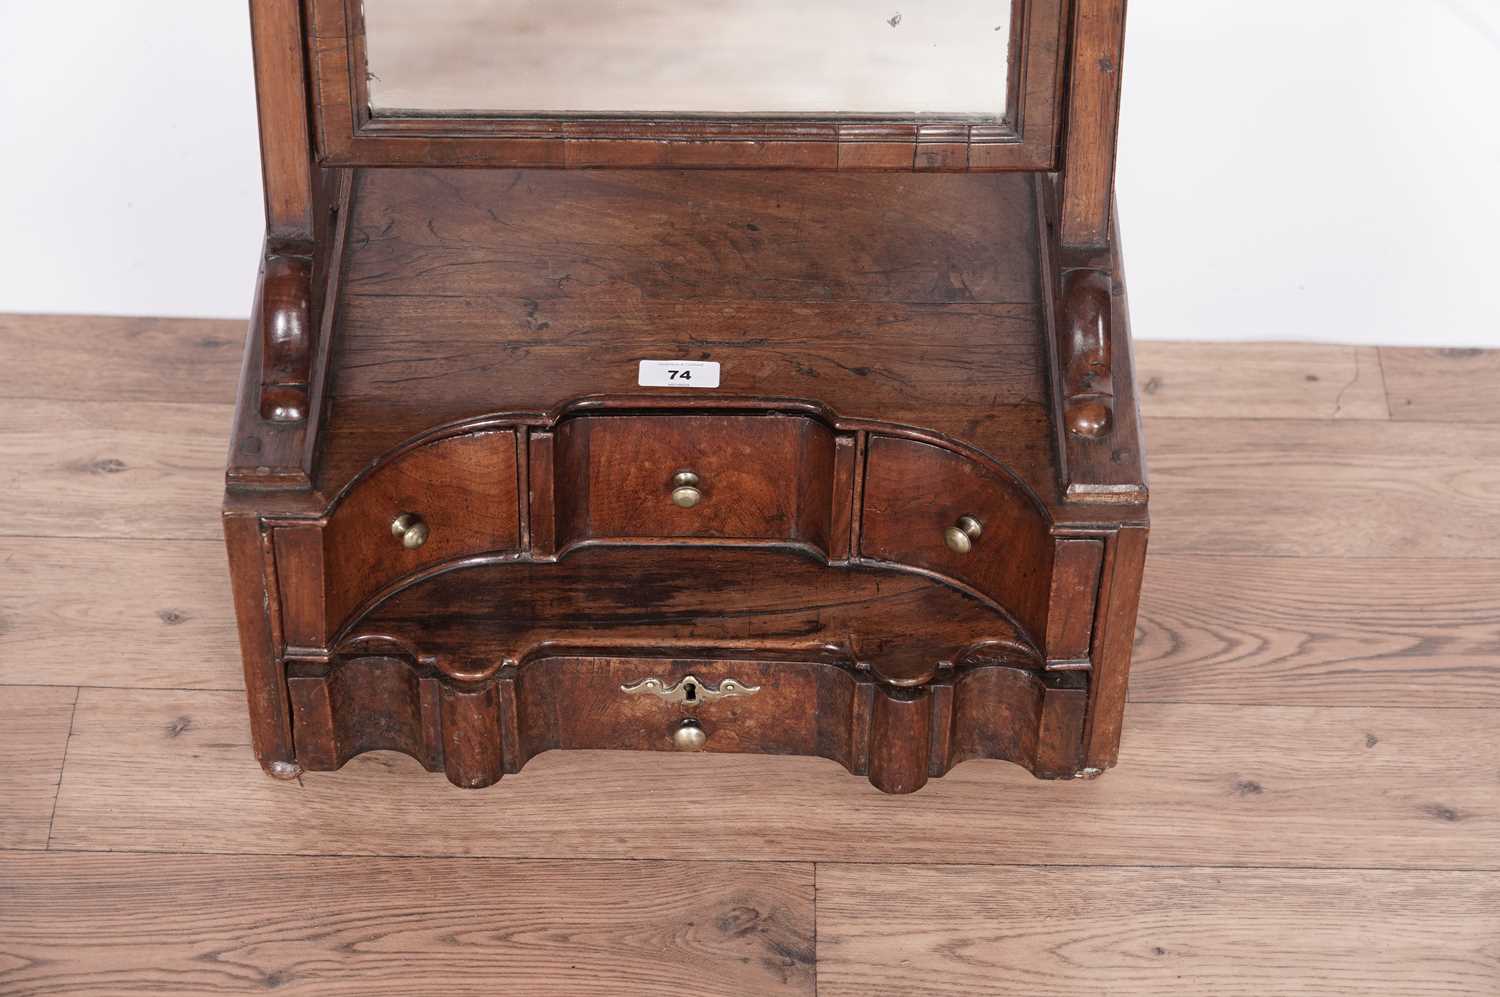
{"x": 960, "y": 536}
{"x": 689, "y": 736}
{"x": 685, "y": 491}
{"x": 410, "y": 530}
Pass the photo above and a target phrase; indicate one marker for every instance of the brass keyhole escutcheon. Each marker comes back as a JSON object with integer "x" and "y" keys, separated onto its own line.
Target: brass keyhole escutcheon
{"x": 960, "y": 537}
{"x": 690, "y": 690}
{"x": 689, "y": 736}
{"x": 685, "y": 491}
{"x": 410, "y": 529}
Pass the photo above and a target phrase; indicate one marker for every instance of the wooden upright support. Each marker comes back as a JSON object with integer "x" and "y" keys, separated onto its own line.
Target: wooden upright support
{"x": 1088, "y": 165}
{"x": 285, "y": 138}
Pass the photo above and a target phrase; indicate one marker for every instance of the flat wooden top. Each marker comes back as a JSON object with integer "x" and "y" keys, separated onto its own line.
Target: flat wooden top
{"x": 907, "y": 299}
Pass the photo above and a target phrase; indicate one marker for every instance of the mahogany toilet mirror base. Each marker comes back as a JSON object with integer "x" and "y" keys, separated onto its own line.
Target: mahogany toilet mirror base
{"x": 774, "y": 431}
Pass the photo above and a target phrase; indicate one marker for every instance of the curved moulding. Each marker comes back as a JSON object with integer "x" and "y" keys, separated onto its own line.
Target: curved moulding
{"x": 478, "y": 732}
{"x": 327, "y": 570}
{"x": 477, "y": 618}
{"x": 729, "y": 481}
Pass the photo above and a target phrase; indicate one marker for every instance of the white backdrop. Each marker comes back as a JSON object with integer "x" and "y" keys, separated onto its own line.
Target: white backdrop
{"x": 1290, "y": 169}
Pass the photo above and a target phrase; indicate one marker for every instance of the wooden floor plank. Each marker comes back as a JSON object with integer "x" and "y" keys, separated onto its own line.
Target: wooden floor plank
{"x": 1305, "y": 488}
{"x": 1443, "y": 385}
{"x": 111, "y": 924}
{"x": 918, "y": 931}
{"x": 90, "y": 358}
{"x": 138, "y": 613}
{"x": 1196, "y": 785}
{"x": 33, "y": 739}
{"x": 98, "y": 469}
{"x": 1259, "y": 381}
{"x": 1325, "y": 631}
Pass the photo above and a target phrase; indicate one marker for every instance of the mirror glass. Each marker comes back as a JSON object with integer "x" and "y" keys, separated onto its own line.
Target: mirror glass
{"x": 764, "y": 57}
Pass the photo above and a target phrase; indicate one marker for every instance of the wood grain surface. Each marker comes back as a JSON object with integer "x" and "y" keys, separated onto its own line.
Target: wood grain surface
{"x": 142, "y": 470}
{"x": 924, "y": 931}
{"x": 1305, "y": 801}
{"x": 1293, "y": 786}
{"x": 63, "y": 358}
{"x": 129, "y": 613}
{"x": 1260, "y": 381}
{"x": 1443, "y": 385}
{"x": 33, "y": 739}
{"x": 1356, "y": 489}
{"x": 200, "y": 924}
{"x": 1319, "y": 630}
{"x": 770, "y": 275}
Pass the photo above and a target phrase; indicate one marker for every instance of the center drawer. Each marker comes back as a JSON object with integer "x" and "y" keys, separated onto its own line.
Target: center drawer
{"x": 647, "y": 478}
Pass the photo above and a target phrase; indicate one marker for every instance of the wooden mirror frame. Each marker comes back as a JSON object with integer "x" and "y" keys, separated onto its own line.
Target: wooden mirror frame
{"x": 1022, "y": 138}
{"x": 1064, "y": 96}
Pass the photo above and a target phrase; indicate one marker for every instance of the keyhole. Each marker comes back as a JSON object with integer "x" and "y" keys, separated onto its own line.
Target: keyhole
{"x": 691, "y": 691}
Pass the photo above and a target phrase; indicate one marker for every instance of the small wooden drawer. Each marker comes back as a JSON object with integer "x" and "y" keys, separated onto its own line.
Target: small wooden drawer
{"x": 742, "y": 706}
{"x": 689, "y": 477}
{"x": 934, "y": 509}
{"x": 455, "y": 497}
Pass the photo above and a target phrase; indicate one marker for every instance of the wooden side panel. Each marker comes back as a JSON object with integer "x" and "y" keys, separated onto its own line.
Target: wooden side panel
{"x": 255, "y": 599}
{"x": 302, "y": 578}
{"x": 1093, "y": 122}
{"x": 1114, "y": 642}
{"x": 1075, "y": 586}
{"x": 1059, "y": 742}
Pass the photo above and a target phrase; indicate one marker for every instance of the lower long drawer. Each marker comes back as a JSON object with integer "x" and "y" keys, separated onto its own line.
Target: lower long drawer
{"x": 476, "y": 732}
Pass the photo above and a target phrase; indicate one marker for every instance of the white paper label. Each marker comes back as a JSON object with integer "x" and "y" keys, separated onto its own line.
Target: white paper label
{"x": 679, "y": 374}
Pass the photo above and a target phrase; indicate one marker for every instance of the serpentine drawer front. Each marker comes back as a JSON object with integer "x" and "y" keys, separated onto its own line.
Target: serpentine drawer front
{"x": 694, "y": 477}
{"x": 476, "y": 733}
{"x": 438, "y": 501}
{"x": 931, "y": 508}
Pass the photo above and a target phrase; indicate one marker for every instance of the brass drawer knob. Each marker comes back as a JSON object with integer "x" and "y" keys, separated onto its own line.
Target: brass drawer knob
{"x": 685, "y": 492}
{"x": 960, "y": 536}
{"x": 689, "y": 736}
{"x": 410, "y": 530}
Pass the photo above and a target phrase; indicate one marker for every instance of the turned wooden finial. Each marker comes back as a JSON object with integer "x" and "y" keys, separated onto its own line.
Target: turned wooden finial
{"x": 1088, "y": 380}
{"x": 286, "y": 338}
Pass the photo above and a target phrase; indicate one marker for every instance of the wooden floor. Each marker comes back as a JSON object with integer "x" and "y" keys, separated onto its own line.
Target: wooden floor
{"x": 1308, "y": 800}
